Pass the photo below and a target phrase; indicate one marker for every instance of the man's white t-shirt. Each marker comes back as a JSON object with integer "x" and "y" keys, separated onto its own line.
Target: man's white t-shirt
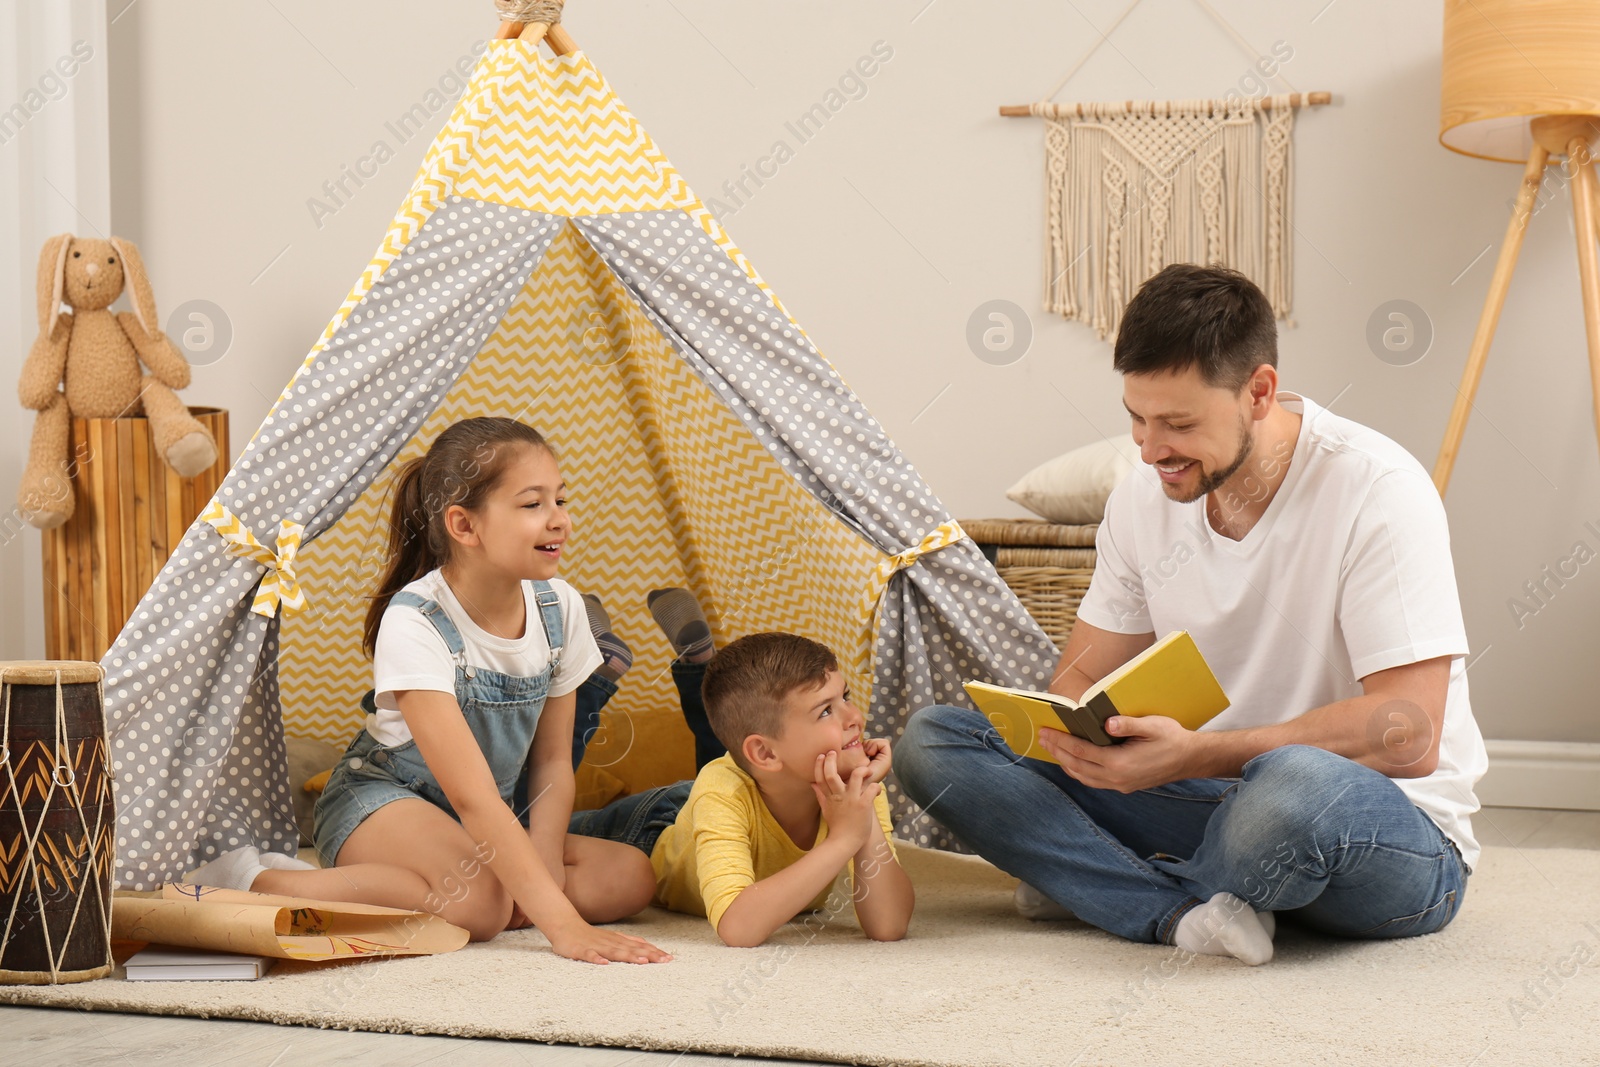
{"x": 1346, "y": 573}
{"x": 410, "y": 653}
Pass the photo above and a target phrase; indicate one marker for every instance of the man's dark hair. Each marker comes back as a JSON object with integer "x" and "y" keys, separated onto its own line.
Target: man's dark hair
{"x": 1189, "y": 315}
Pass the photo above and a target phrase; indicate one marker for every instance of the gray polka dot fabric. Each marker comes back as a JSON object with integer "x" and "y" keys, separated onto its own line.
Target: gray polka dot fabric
{"x": 191, "y": 682}
{"x": 947, "y": 618}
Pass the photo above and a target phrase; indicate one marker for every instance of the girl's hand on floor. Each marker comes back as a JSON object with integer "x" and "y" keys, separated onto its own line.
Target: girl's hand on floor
{"x": 590, "y": 944}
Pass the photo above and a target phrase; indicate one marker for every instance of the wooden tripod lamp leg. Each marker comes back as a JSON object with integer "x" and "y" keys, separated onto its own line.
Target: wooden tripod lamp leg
{"x": 1585, "y": 203}
{"x": 1532, "y": 176}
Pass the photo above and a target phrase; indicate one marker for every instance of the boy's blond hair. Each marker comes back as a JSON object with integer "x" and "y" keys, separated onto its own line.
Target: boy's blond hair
{"x": 747, "y": 681}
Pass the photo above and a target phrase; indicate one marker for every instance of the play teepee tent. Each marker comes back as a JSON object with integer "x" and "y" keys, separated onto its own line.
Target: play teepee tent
{"x": 550, "y": 265}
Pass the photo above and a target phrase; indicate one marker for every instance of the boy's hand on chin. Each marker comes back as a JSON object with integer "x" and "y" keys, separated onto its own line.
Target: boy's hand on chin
{"x": 877, "y": 750}
{"x": 846, "y": 803}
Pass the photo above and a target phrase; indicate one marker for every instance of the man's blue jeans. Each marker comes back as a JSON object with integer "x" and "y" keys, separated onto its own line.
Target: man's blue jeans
{"x": 1335, "y": 845}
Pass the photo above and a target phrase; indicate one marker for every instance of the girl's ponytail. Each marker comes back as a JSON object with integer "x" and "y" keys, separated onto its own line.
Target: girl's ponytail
{"x": 461, "y": 466}
{"x": 409, "y": 556}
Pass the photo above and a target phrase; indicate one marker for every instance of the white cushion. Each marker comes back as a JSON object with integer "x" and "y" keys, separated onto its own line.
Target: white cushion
{"x": 1073, "y": 488}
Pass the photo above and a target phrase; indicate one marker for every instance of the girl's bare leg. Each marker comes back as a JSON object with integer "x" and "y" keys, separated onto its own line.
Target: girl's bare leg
{"x": 607, "y": 880}
{"x": 408, "y": 854}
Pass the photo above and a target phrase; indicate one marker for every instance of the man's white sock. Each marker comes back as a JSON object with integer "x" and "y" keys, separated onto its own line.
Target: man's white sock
{"x": 1225, "y": 926}
{"x": 231, "y": 870}
{"x": 1032, "y": 904}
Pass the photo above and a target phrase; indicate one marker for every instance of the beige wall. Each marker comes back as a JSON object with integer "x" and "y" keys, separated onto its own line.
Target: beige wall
{"x": 914, "y": 205}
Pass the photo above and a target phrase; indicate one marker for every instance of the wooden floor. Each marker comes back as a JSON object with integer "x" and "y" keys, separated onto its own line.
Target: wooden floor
{"x": 50, "y": 1036}
{"x": 40, "y": 1036}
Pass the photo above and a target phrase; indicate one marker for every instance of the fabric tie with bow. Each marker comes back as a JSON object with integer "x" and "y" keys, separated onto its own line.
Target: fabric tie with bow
{"x": 279, "y": 585}
{"x": 945, "y": 534}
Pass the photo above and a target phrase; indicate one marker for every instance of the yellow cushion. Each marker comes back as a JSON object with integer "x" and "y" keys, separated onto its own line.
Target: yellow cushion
{"x": 643, "y": 748}
{"x": 596, "y": 788}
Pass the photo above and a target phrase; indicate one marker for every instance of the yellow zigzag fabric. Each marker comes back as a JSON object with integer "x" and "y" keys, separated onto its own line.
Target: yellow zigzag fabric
{"x": 533, "y": 131}
{"x": 654, "y": 498}
{"x": 666, "y": 488}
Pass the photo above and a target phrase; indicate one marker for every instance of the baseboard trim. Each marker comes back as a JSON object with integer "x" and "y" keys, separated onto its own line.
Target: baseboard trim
{"x": 1542, "y": 774}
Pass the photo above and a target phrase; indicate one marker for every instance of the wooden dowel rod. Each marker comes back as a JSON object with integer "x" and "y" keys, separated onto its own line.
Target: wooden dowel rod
{"x": 559, "y": 40}
{"x": 1317, "y": 99}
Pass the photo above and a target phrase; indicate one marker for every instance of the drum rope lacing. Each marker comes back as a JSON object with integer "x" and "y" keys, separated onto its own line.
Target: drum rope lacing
{"x": 77, "y": 804}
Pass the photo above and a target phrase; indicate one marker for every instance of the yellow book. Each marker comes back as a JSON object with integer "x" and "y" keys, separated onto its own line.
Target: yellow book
{"x": 1169, "y": 678}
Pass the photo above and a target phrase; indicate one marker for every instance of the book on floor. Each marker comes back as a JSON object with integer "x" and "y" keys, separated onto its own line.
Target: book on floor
{"x": 163, "y": 963}
{"x": 1169, "y": 678}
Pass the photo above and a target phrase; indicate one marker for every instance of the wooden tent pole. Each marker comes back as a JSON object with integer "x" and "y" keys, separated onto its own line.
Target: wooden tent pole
{"x": 559, "y": 40}
{"x": 1296, "y": 100}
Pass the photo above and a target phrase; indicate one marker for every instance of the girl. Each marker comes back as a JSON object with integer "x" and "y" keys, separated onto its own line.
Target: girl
{"x": 478, "y": 653}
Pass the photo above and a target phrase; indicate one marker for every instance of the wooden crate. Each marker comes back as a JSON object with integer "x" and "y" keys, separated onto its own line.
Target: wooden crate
{"x": 131, "y": 510}
{"x": 1048, "y": 565}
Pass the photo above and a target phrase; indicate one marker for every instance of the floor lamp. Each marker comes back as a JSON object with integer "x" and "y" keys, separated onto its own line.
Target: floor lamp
{"x": 1521, "y": 82}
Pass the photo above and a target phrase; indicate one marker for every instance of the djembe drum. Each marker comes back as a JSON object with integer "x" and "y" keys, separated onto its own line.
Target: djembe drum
{"x": 57, "y": 824}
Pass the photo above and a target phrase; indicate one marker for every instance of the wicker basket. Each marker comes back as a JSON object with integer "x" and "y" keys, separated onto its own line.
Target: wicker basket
{"x": 1048, "y": 566}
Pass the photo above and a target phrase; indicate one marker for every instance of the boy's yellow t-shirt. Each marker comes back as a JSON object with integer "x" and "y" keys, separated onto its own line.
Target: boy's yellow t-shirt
{"x": 725, "y": 840}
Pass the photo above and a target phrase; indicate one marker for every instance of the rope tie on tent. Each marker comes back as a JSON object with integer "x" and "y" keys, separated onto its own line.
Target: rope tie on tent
{"x": 545, "y": 11}
{"x": 279, "y": 585}
{"x": 945, "y": 534}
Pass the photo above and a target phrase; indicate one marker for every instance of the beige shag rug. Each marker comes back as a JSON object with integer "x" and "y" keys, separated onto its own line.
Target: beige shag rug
{"x": 1515, "y": 979}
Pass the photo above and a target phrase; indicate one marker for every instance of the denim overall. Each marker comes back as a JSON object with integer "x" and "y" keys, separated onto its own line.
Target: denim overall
{"x": 502, "y": 711}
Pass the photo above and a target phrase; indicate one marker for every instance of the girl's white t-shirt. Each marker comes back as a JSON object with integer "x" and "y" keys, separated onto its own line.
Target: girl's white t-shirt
{"x": 1346, "y": 573}
{"x": 411, "y": 654}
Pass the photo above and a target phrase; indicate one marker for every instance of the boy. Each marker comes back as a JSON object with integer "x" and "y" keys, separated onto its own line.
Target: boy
{"x": 764, "y": 829}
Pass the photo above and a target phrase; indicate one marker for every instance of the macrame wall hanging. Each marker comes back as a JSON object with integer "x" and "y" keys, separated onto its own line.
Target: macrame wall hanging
{"x": 1132, "y": 186}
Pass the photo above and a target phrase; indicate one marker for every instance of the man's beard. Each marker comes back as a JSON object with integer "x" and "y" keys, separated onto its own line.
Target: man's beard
{"x": 1211, "y": 482}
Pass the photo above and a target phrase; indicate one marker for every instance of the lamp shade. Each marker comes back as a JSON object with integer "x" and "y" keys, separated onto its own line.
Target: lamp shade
{"x": 1507, "y": 62}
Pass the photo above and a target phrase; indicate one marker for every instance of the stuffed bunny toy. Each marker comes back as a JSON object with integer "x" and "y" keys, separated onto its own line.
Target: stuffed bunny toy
{"x": 98, "y": 354}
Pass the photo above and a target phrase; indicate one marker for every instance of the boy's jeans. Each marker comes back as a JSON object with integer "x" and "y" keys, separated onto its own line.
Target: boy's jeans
{"x": 1335, "y": 844}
